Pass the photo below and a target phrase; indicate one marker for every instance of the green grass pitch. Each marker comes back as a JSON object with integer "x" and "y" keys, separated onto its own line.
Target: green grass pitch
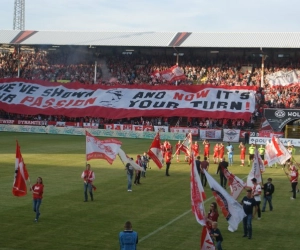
{"x": 159, "y": 208}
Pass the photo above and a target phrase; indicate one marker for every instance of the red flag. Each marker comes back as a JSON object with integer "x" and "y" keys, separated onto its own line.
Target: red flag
{"x": 276, "y": 145}
{"x": 21, "y": 175}
{"x": 155, "y": 152}
{"x": 174, "y": 73}
{"x": 155, "y": 74}
{"x": 197, "y": 195}
{"x": 186, "y": 144}
{"x": 206, "y": 241}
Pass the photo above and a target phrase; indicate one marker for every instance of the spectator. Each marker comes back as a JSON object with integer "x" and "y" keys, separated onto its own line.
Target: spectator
{"x": 268, "y": 192}
{"x": 248, "y": 204}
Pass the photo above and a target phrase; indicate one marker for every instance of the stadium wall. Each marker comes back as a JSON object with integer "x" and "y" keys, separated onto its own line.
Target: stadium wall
{"x": 95, "y": 132}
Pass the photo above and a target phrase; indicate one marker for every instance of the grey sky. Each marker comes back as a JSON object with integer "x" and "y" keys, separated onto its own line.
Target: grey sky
{"x": 154, "y": 15}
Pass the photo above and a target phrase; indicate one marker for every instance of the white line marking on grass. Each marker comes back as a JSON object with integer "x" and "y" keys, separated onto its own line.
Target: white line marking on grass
{"x": 169, "y": 223}
{"x": 177, "y": 218}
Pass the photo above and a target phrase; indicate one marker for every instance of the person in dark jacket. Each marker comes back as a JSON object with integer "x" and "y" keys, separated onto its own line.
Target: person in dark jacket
{"x": 248, "y": 203}
{"x": 268, "y": 191}
{"x": 168, "y": 158}
{"x": 129, "y": 170}
{"x": 198, "y": 163}
{"x": 223, "y": 180}
{"x": 216, "y": 235}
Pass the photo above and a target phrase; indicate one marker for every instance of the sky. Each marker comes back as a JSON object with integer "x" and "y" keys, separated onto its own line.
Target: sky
{"x": 155, "y": 15}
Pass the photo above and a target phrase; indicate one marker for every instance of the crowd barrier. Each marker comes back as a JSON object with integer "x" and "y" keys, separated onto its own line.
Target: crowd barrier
{"x": 96, "y": 132}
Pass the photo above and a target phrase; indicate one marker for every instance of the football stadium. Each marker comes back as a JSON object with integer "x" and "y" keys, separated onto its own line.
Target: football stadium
{"x": 191, "y": 138}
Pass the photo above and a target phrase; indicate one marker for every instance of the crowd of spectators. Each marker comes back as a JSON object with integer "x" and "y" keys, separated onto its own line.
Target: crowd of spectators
{"x": 52, "y": 67}
{"x": 137, "y": 69}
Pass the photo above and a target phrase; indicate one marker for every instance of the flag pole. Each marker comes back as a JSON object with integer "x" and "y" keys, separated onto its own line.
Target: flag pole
{"x": 180, "y": 147}
{"x": 260, "y": 162}
{"x": 297, "y": 164}
{"x": 121, "y": 160}
{"x": 29, "y": 183}
{"x": 260, "y": 169}
{"x": 286, "y": 173}
{"x": 261, "y": 176}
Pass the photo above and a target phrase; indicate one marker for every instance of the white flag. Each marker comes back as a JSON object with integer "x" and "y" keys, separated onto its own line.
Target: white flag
{"x": 197, "y": 195}
{"x": 125, "y": 159}
{"x": 101, "y": 149}
{"x": 235, "y": 183}
{"x": 256, "y": 170}
{"x": 174, "y": 73}
{"x": 282, "y": 153}
{"x": 270, "y": 154}
{"x": 231, "y": 209}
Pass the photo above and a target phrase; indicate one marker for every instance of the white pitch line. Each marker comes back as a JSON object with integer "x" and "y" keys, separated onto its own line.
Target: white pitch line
{"x": 169, "y": 223}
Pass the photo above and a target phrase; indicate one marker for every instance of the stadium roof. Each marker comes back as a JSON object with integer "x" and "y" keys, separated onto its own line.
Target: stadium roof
{"x": 154, "y": 39}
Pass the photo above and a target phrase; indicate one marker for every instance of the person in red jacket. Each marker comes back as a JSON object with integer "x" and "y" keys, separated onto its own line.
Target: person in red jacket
{"x": 242, "y": 153}
{"x": 206, "y": 149}
{"x": 177, "y": 148}
{"x": 168, "y": 158}
{"x": 216, "y": 153}
{"x": 37, "y": 193}
{"x": 88, "y": 176}
{"x": 195, "y": 149}
{"x": 212, "y": 215}
{"x": 221, "y": 151}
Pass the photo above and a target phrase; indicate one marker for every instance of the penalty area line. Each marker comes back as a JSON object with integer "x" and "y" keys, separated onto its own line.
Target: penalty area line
{"x": 170, "y": 222}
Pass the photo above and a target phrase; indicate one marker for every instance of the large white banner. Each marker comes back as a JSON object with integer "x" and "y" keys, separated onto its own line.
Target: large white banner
{"x": 78, "y": 100}
{"x": 282, "y": 78}
{"x": 231, "y": 135}
{"x": 210, "y": 133}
